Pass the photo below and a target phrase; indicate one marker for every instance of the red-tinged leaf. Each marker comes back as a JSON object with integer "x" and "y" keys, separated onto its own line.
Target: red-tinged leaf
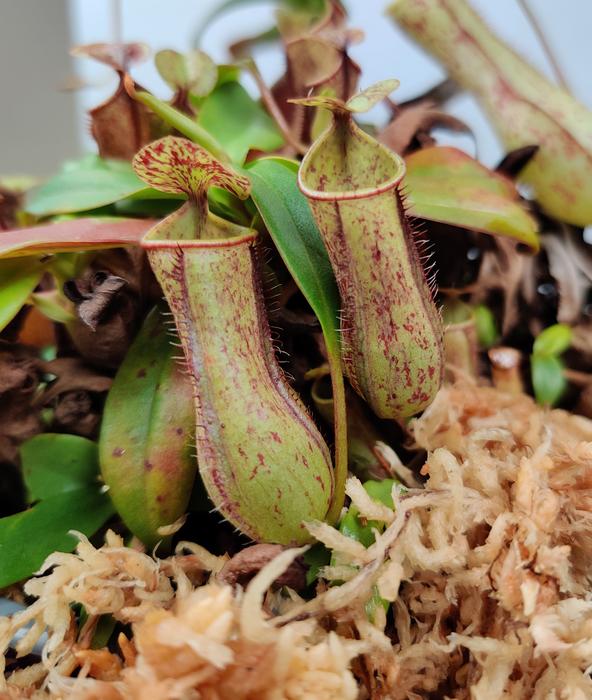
{"x": 119, "y": 125}
{"x": 177, "y": 165}
{"x": 117, "y": 56}
{"x": 447, "y": 185}
{"x": 78, "y": 234}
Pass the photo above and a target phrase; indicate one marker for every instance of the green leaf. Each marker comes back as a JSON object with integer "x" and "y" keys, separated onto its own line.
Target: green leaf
{"x": 366, "y": 99}
{"x": 27, "y": 538}
{"x": 147, "y": 434}
{"x": 487, "y": 332}
{"x": 103, "y": 631}
{"x": 553, "y": 341}
{"x": 194, "y": 71}
{"x": 316, "y": 557}
{"x": 179, "y": 121}
{"x": 18, "y": 278}
{"x": 234, "y": 119}
{"x": 54, "y": 305}
{"x": 444, "y": 184}
{"x": 548, "y": 380}
{"x": 381, "y": 491}
{"x": 84, "y": 185}
{"x": 288, "y": 218}
{"x": 352, "y": 526}
{"x": 55, "y": 464}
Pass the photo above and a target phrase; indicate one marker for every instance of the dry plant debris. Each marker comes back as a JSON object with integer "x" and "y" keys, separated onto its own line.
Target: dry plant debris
{"x": 488, "y": 569}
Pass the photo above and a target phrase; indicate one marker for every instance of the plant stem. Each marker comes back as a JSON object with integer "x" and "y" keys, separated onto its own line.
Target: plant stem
{"x": 187, "y": 126}
{"x": 340, "y": 429}
{"x": 273, "y": 108}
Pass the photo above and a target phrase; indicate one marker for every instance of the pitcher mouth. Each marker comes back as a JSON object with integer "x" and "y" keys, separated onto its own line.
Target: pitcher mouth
{"x": 334, "y": 194}
{"x": 207, "y": 243}
{"x": 229, "y": 235}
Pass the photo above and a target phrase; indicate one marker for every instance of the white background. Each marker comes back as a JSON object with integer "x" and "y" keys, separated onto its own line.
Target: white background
{"x": 386, "y": 52}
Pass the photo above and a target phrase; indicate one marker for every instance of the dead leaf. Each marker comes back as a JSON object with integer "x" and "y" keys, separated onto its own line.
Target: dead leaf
{"x": 514, "y": 161}
{"x": 115, "y": 303}
{"x": 19, "y": 379}
{"x": 509, "y": 271}
{"x": 414, "y": 123}
{"x": 244, "y": 565}
{"x": 120, "y": 125}
{"x": 72, "y": 374}
{"x": 76, "y": 396}
{"x": 572, "y": 284}
{"x": 115, "y": 55}
{"x": 317, "y": 60}
{"x": 94, "y": 294}
{"x": 9, "y": 205}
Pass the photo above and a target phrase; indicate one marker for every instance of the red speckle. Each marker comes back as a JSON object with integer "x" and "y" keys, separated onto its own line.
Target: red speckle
{"x": 118, "y": 452}
{"x": 141, "y": 373}
{"x": 148, "y": 466}
{"x": 179, "y": 431}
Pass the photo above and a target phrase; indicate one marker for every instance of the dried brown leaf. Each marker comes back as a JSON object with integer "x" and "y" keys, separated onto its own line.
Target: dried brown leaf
{"x": 72, "y": 375}
{"x": 248, "y": 562}
{"x": 415, "y": 123}
{"x": 120, "y": 125}
{"x": 572, "y": 284}
{"x": 514, "y": 161}
{"x": 94, "y": 294}
{"x": 19, "y": 379}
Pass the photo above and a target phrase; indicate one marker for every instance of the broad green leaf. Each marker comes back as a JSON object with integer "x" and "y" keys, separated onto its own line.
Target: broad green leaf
{"x": 146, "y": 444}
{"x": 54, "y": 464}
{"x": 444, "y": 184}
{"x": 548, "y": 380}
{"x": 54, "y": 305}
{"x": 18, "y": 278}
{"x": 553, "y": 341}
{"x": 288, "y": 218}
{"x": 72, "y": 235}
{"x": 83, "y": 185}
{"x": 240, "y": 123}
{"x": 27, "y": 538}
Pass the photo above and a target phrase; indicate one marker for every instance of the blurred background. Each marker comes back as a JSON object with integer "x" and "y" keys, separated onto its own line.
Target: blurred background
{"x": 45, "y": 92}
